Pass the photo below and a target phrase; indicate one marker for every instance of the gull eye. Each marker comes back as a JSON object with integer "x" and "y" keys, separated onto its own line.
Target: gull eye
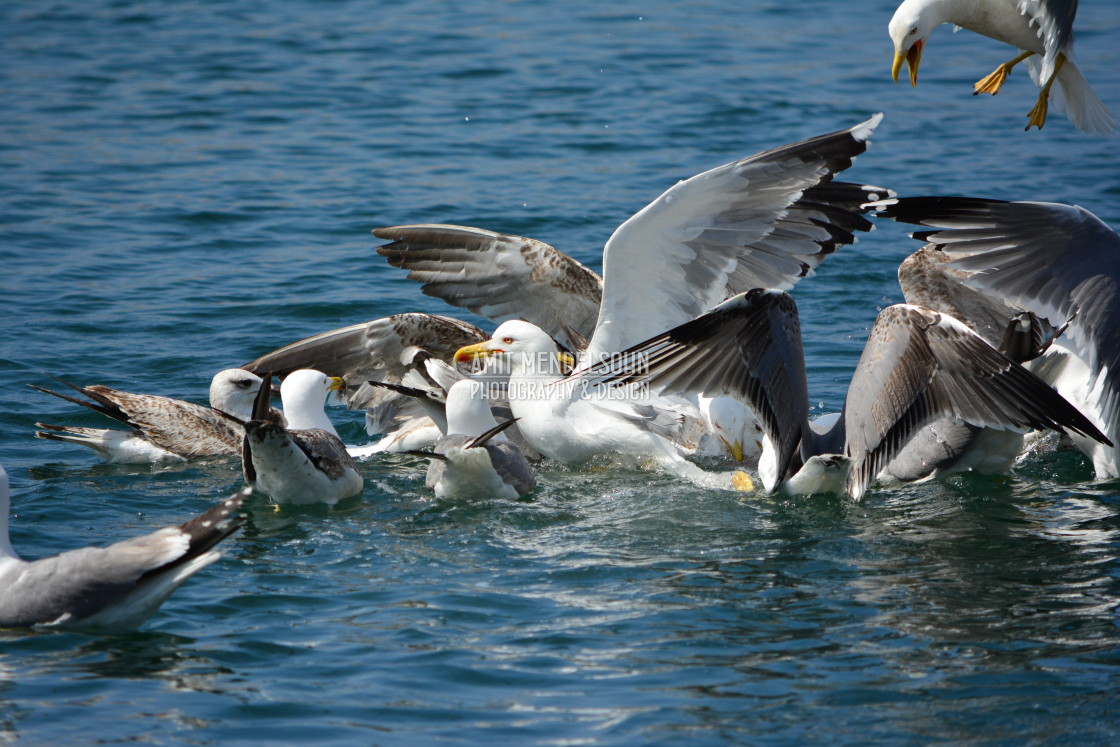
{"x": 913, "y": 31}
{"x": 507, "y": 340}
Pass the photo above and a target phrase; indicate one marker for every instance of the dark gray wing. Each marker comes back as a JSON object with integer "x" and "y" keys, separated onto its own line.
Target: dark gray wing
{"x": 511, "y": 466}
{"x": 325, "y": 450}
{"x": 506, "y": 458}
{"x": 496, "y": 275}
{"x": 748, "y": 347}
{"x": 919, "y": 366}
{"x": 383, "y": 349}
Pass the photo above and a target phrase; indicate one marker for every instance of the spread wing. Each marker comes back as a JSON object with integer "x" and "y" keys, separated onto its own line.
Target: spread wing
{"x": 496, "y": 275}
{"x": 1060, "y": 262}
{"x": 919, "y": 366}
{"x": 764, "y": 221}
{"x": 748, "y": 347}
{"x": 385, "y": 350}
{"x": 929, "y": 280}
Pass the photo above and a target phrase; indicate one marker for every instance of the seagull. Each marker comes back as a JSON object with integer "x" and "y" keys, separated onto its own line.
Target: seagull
{"x": 475, "y": 459}
{"x": 1036, "y": 27}
{"x": 384, "y": 350}
{"x": 570, "y": 423}
{"x": 162, "y": 429}
{"x": 1059, "y": 262}
{"x": 765, "y": 220}
{"x": 433, "y": 400}
{"x": 113, "y": 587}
{"x": 305, "y": 462}
{"x": 918, "y": 366}
{"x": 947, "y": 446}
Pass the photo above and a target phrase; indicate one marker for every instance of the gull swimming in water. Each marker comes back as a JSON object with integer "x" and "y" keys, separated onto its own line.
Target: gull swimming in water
{"x": 572, "y": 424}
{"x": 433, "y": 394}
{"x": 160, "y": 428}
{"x": 918, "y": 366}
{"x": 1037, "y": 27}
{"x": 765, "y": 220}
{"x": 118, "y": 586}
{"x": 305, "y": 462}
{"x": 946, "y": 446}
{"x": 474, "y": 459}
{"x": 1059, "y": 262}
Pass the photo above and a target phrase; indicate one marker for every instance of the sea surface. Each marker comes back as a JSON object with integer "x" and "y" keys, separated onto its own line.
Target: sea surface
{"x": 187, "y": 185}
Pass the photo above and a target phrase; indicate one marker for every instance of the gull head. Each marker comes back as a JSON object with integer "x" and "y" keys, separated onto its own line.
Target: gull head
{"x": 528, "y": 347}
{"x": 232, "y": 391}
{"x": 909, "y": 29}
{"x": 304, "y": 392}
{"x": 468, "y": 409}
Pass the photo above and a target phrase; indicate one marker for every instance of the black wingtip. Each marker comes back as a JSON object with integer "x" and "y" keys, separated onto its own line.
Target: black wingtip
{"x": 932, "y": 209}
{"x": 208, "y": 529}
{"x": 101, "y": 407}
{"x": 429, "y": 454}
{"x": 485, "y": 437}
{"x": 261, "y": 403}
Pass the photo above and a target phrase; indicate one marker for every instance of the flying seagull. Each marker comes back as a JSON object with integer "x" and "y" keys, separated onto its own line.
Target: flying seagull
{"x": 305, "y": 462}
{"x": 1036, "y": 27}
{"x": 112, "y": 587}
{"x": 160, "y": 428}
{"x": 918, "y": 366}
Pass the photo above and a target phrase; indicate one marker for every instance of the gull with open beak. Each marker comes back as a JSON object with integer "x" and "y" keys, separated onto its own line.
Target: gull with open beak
{"x": 1042, "y": 28}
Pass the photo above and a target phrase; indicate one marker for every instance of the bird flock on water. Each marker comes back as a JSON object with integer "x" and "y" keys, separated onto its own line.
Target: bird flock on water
{"x": 685, "y": 353}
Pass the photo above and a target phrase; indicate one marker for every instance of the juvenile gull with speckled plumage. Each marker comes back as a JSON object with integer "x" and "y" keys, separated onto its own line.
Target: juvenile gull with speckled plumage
{"x": 160, "y": 428}
{"x": 1058, "y": 262}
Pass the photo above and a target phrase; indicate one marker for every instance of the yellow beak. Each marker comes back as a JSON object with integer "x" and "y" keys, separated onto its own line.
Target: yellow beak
{"x": 912, "y": 57}
{"x": 734, "y": 448}
{"x": 567, "y": 362}
{"x": 337, "y": 385}
{"x": 478, "y": 350}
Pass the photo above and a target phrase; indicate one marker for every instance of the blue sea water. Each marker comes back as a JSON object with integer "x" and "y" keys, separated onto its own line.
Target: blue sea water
{"x": 187, "y": 185}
